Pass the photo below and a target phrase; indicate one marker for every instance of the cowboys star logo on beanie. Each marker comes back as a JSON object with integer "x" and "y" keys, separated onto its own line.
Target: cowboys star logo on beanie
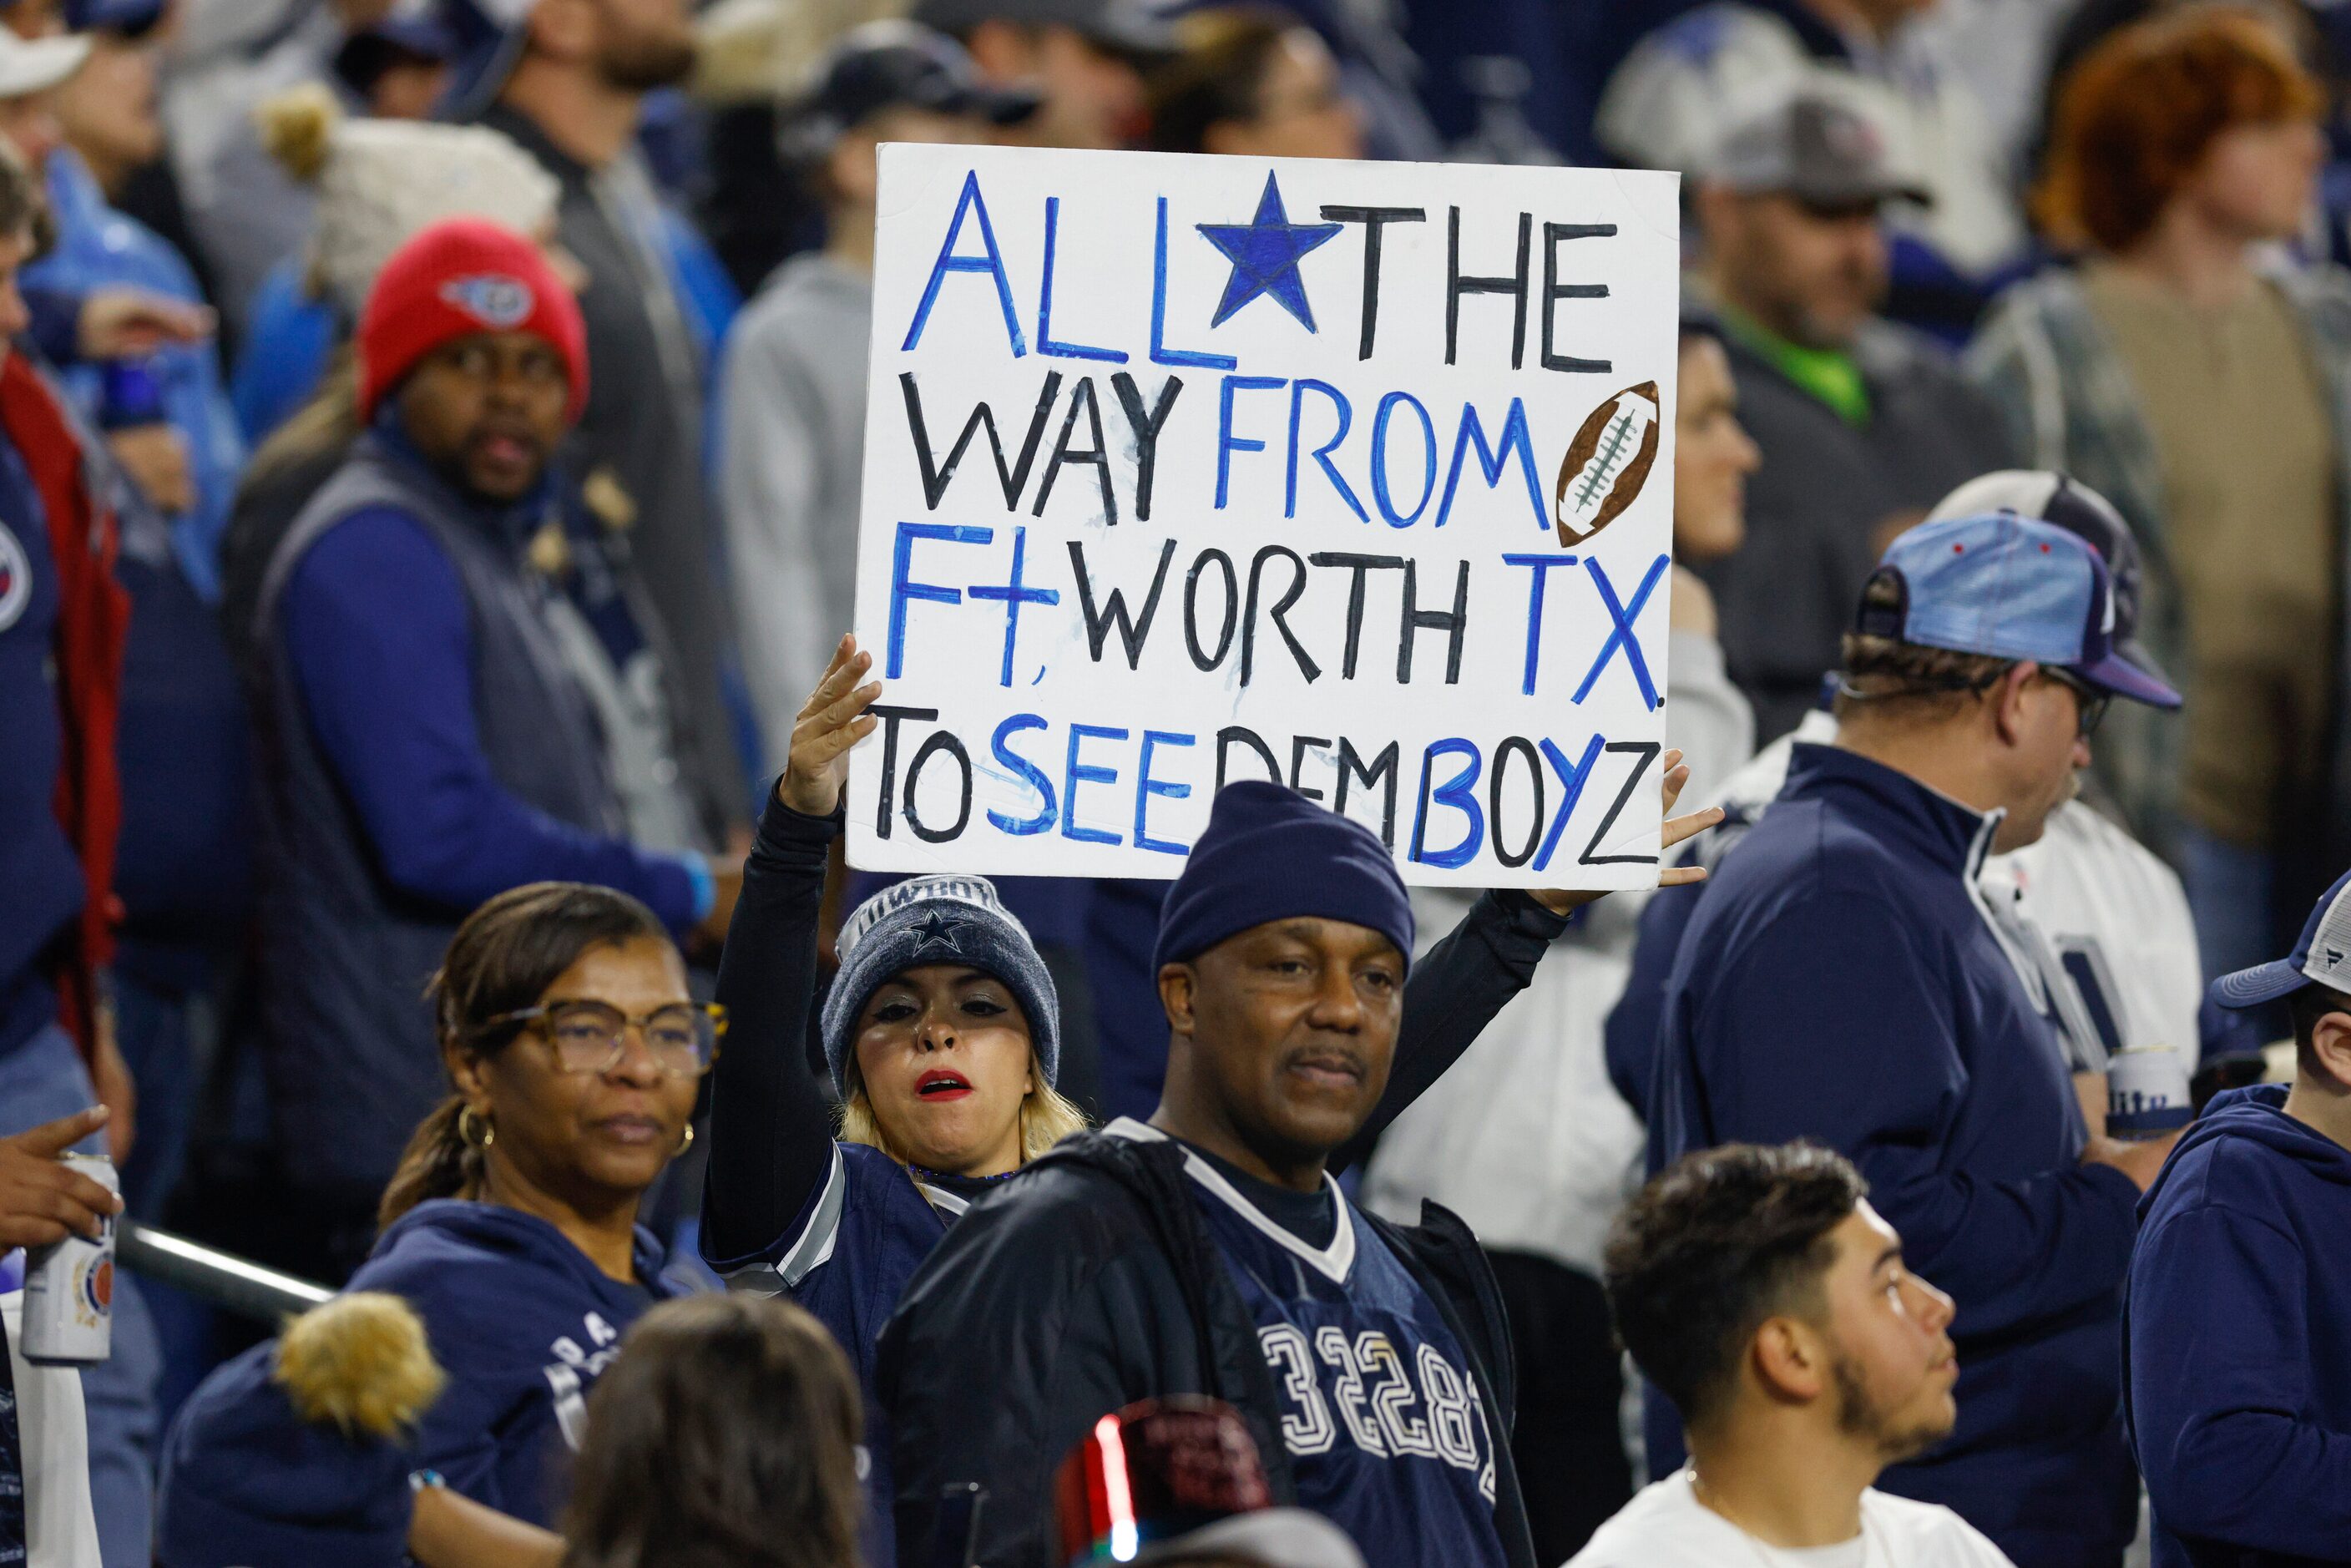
{"x": 497, "y": 302}
{"x": 456, "y": 279}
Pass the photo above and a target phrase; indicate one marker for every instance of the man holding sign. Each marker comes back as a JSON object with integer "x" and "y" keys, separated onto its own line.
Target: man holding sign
{"x": 1211, "y": 1252}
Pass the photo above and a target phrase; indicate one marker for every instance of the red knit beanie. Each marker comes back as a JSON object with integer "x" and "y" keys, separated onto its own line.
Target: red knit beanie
{"x": 454, "y": 279}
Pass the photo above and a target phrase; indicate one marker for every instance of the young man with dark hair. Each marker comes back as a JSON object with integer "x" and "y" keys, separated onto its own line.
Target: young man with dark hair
{"x": 1759, "y": 1290}
{"x": 2238, "y": 1323}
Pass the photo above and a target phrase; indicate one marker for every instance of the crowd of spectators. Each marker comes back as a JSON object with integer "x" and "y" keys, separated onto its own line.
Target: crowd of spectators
{"x": 358, "y": 627}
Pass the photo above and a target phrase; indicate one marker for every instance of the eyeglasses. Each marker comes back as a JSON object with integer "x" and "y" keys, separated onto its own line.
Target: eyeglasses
{"x": 592, "y": 1037}
{"x": 2091, "y": 701}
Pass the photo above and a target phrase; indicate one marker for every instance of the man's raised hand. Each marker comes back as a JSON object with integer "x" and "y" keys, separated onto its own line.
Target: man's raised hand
{"x": 1563, "y": 900}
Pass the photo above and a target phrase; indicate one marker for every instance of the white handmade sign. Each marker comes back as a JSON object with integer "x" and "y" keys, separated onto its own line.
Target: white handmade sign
{"x": 1182, "y": 470}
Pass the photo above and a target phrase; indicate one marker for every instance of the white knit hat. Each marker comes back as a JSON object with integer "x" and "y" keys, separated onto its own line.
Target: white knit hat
{"x": 381, "y": 181}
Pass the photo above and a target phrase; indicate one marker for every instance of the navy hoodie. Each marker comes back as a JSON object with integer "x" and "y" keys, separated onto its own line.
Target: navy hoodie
{"x": 2238, "y": 1341}
{"x": 518, "y": 1318}
{"x": 1839, "y": 982}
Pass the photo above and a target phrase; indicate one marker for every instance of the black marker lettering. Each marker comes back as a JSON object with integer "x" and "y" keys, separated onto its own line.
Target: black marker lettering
{"x": 1648, "y": 750}
{"x": 1359, "y": 564}
{"x": 1374, "y": 220}
{"x": 1132, "y": 630}
{"x": 1516, "y": 746}
{"x": 1192, "y": 608}
{"x": 944, "y": 740}
{"x": 1249, "y": 737}
{"x": 1453, "y": 623}
{"x": 936, "y": 475}
{"x": 1555, "y": 292}
{"x": 1098, "y": 454}
{"x": 1456, "y": 286}
{"x": 1146, "y": 427}
{"x": 1281, "y": 607}
{"x": 1300, "y": 744}
{"x": 889, "y": 717}
{"x": 1384, "y": 766}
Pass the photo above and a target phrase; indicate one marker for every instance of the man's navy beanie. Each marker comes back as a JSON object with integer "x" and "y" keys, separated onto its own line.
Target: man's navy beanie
{"x": 1270, "y": 853}
{"x": 938, "y": 920}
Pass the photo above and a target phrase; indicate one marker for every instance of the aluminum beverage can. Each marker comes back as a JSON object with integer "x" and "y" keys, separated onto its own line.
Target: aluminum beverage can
{"x": 69, "y": 1288}
{"x": 2147, "y": 1093}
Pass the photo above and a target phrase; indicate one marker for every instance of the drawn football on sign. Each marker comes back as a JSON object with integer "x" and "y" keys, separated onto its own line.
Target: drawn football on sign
{"x": 1607, "y": 463}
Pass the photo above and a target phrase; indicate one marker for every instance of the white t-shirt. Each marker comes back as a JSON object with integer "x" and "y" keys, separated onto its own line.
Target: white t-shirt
{"x": 1666, "y": 1527}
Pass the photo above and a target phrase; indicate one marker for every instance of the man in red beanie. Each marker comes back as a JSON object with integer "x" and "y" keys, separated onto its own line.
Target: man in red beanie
{"x": 439, "y": 720}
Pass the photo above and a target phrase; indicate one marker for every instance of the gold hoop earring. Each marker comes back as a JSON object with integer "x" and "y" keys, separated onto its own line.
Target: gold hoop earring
{"x": 466, "y": 1129}
{"x": 686, "y": 1145}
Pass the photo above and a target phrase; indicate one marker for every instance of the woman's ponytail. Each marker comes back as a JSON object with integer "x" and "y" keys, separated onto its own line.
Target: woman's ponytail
{"x": 439, "y": 1162}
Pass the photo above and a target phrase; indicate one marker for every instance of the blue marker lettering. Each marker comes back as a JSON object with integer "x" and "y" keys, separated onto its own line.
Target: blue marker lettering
{"x": 1161, "y": 354}
{"x": 1388, "y": 405}
{"x": 1074, "y": 773}
{"x": 1541, "y": 565}
{"x": 1029, "y": 773}
{"x": 1045, "y": 344}
{"x": 992, "y": 263}
{"x": 1321, "y": 454}
{"x": 1515, "y": 440}
{"x": 1227, "y": 442}
{"x": 1146, "y": 787}
{"x": 904, "y": 590}
{"x": 1460, "y": 793}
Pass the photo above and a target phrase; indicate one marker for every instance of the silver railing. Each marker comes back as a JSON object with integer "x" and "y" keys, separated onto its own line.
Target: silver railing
{"x": 232, "y": 1283}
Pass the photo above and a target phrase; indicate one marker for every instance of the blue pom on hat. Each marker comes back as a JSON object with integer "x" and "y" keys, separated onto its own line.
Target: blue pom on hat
{"x": 1270, "y": 853}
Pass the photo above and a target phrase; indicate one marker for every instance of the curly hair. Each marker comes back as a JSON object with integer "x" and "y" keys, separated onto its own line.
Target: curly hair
{"x": 2138, "y": 114}
{"x": 1723, "y": 1240}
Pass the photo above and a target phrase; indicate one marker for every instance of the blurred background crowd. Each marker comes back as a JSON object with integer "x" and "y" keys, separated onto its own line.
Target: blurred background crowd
{"x": 1926, "y": 240}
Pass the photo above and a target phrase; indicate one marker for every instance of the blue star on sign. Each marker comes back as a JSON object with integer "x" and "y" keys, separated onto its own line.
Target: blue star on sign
{"x": 936, "y": 930}
{"x": 1265, "y": 252}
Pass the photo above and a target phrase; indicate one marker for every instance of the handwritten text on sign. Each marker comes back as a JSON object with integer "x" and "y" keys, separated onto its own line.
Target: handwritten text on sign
{"x": 1183, "y": 470}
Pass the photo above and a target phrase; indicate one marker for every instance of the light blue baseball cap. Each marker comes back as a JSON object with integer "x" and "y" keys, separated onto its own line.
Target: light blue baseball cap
{"x": 2009, "y": 587}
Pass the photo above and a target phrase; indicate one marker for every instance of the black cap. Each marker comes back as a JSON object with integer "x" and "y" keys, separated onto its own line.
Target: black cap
{"x": 1824, "y": 145}
{"x": 890, "y": 65}
{"x": 1139, "y": 28}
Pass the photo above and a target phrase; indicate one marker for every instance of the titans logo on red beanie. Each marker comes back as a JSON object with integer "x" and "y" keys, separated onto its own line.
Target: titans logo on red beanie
{"x": 455, "y": 279}
{"x": 498, "y": 303}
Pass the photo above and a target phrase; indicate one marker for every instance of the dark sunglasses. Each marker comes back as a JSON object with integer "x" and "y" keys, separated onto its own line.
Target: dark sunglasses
{"x": 2089, "y": 699}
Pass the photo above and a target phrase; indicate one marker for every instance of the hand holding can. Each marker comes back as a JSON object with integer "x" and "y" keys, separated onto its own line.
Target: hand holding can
{"x": 44, "y": 1199}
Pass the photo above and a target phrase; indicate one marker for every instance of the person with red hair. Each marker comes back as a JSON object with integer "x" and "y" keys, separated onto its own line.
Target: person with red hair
{"x": 2185, "y": 372}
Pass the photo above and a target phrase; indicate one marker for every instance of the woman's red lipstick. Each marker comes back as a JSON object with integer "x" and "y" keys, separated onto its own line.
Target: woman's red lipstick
{"x": 939, "y": 1084}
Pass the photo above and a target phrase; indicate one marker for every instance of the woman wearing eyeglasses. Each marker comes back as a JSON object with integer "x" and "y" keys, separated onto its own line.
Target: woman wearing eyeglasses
{"x": 574, "y": 1053}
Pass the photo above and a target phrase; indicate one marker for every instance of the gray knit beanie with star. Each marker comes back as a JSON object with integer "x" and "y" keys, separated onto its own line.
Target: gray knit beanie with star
{"x": 938, "y": 920}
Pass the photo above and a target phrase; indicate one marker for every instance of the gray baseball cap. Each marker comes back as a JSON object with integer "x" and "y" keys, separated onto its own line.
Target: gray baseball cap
{"x": 1128, "y": 27}
{"x": 1822, "y": 146}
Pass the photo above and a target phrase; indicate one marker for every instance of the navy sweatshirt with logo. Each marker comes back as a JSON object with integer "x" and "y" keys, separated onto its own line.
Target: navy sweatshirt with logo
{"x": 1839, "y": 982}
{"x": 2237, "y": 1336}
{"x": 520, "y": 1319}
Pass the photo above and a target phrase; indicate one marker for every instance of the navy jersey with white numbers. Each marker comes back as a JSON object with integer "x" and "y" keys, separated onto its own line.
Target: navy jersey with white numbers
{"x": 1386, "y": 1433}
